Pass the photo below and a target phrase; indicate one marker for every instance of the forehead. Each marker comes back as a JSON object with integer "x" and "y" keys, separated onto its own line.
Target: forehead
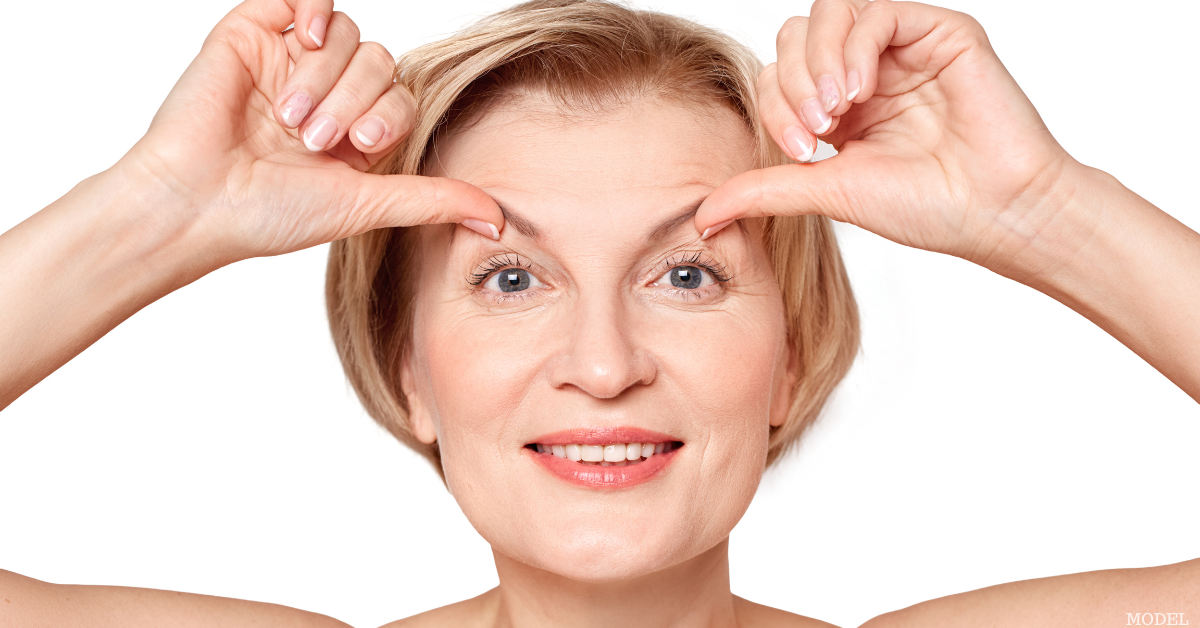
{"x": 650, "y": 150}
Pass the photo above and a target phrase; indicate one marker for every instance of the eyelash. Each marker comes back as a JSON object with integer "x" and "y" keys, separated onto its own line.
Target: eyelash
{"x": 497, "y": 263}
{"x": 714, "y": 268}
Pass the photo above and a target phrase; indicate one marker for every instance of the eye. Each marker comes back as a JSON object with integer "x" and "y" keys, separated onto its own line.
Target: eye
{"x": 686, "y": 277}
{"x": 512, "y": 280}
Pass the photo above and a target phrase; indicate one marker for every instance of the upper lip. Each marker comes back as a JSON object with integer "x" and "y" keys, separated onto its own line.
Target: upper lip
{"x": 604, "y": 436}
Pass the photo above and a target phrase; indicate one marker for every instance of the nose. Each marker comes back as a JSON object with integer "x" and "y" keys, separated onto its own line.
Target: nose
{"x": 598, "y": 354}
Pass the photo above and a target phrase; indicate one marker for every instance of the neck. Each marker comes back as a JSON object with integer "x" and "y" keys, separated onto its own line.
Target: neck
{"x": 694, "y": 593}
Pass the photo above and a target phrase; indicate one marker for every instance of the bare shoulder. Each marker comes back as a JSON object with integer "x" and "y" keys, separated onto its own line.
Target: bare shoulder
{"x": 477, "y": 611}
{"x": 1166, "y": 596}
{"x": 28, "y": 602}
{"x": 753, "y": 615}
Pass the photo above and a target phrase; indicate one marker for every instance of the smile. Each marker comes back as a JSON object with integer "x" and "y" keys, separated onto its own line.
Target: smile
{"x": 609, "y": 455}
{"x": 605, "y": 457}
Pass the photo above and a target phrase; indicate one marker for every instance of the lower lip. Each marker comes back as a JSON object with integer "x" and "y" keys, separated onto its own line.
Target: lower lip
{"x": 596, "y": 476}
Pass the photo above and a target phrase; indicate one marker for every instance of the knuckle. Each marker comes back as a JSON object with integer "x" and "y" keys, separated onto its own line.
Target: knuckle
{"x": 792, "y": 27}
{"x": 767, "y": 88}
{"x": 433, "y": 200}
{"x": 766, "y": 76}
{"x": 406, "y": 117}
{"x": 874, "y": 7}
{"x": 972, "y": 26}
{"x": 378, "y": 57}
{"x": 346, "y": 25}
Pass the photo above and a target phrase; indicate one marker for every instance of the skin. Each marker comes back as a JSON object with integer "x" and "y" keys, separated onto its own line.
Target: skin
{"x": 603, "y": 341}
{"x": 916, "y": 165}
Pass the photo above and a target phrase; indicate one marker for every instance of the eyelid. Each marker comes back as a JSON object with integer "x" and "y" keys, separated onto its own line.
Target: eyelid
{"x": 496, "y": 263}
{"x": 701, "y": 259}
{"x": 534, "y": 283}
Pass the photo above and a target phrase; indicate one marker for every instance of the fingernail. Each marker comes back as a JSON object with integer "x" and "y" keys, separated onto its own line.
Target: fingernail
{"x": 798, "y": 143}
{"x": 370, "y": 131}
{"x": 320, "y": 132}
{"x": 295, "y": 109}
{"x": 712, "y": 231}
{"x": 853, "y": 84}
{"x": 316, "y": 30}
{"x": 485, "y": 229}
{"x": 815, "y": 116}
{"x": 827, "y": 89}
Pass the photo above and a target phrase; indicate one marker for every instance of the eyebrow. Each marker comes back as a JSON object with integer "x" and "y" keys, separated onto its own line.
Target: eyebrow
{"x": 522, "y": 224}
{"x": 526, "y": 227}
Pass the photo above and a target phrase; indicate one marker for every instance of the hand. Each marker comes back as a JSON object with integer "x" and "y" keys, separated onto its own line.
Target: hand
{"x": 265, "y": 137}
{"x": 938, "y": 147}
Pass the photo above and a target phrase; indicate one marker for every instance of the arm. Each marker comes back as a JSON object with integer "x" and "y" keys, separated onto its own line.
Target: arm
{"x": 81, "y": 266}
{"x": 228, "y": 170}
{"x": 939, "y": 149}
{"x": 1114, "y": 597}
{"x": 30, "y": 603}
{"x": 231, "y": 168}
{"x": 1130, "y": 268}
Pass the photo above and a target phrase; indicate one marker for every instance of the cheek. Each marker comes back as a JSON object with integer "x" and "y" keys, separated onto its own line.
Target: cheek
{"x": 726, "y": 377}
{"x": 478, "y": 373}
{"x": 727, "y": 361}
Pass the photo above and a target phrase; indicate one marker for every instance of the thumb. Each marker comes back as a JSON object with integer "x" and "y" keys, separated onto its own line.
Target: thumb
{"x": 375, "y": 201}
{"x": 788, "y": 190}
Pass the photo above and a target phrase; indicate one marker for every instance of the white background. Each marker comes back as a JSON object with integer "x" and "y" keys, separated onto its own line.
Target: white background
{"x": 986, "y": 434}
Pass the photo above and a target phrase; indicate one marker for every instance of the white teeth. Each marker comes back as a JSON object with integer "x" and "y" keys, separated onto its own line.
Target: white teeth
{"x": 614, "y": 453}
{"x": 593, "y": 453}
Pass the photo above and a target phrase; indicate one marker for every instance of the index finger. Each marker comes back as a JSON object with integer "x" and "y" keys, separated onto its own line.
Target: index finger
{"x": 310, "y": 17}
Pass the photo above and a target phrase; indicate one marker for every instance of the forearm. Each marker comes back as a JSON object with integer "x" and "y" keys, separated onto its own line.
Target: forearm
{"x": 78, "y": 268}
{"x": 1133, "y": 270}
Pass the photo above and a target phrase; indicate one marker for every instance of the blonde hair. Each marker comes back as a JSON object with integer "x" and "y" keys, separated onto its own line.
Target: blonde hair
{"x": 588, "y": 55}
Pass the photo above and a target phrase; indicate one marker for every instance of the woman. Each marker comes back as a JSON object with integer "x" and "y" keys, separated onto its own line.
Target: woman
{"x": 599, "y": 366}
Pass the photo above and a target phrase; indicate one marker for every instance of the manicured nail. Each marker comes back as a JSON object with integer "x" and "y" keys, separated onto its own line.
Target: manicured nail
{"x": 815, "y": 116}
{"x": 827, "y": 89}
{"x": 320, "y": 132}
{"x": 853, "y": 84}
{"x": 798, "y": 144}
{"x": 316, "y": 30}
{"x": 370, "y": 131}
{"x": 295, "y": 109}
{"x": 485, "y": 229}
{"x": 712, "y": 231}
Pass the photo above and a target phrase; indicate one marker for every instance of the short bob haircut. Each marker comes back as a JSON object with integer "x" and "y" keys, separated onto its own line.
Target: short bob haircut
{"x": 589, "y": 56}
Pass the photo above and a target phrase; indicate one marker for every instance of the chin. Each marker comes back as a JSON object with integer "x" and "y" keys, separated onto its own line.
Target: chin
{"x": 604, "y": 545}
{"x": 603, "y": 554}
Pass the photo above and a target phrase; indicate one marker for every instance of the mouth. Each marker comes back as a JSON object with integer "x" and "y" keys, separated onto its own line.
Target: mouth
{"x": 605, "y": 457}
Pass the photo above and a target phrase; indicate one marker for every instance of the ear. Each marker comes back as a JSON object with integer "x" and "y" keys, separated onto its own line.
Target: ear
{"x": 785, "y": 383}
{"x": 419, "y": 419}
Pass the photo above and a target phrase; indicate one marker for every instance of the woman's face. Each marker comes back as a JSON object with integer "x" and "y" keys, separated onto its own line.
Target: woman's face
{"x": 599, "y": 318}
